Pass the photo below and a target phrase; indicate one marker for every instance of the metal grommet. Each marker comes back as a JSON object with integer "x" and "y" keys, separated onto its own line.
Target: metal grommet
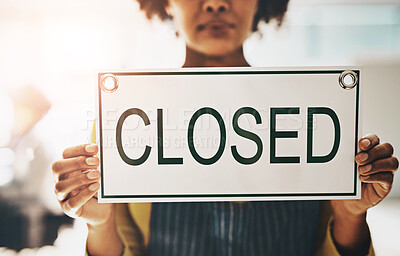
{"x": 348, "y": 79}
{"x": 109, "y": 83}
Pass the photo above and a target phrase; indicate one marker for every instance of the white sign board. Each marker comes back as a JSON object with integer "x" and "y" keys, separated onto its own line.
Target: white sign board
{"x": 228, "y": 134}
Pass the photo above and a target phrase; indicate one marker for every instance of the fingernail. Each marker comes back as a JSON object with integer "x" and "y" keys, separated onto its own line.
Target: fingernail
{"x": 93, "y": 174}
{"x": 94, "y": 187}
{"x": 91, "y": 161}
{"x": 365, "y": 143}
{"x": 362, "y": 157}
{"x": 365, "y": 168}
{"x": 366, "y": 177}
{"x": 91, "y": 148}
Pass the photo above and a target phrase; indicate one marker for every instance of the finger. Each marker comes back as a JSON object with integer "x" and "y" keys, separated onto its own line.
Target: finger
{"x": 367, "y": 142}
{"x": 73, "y": 205}
{"x": 65, "y": 187}
{"x": 390, "y": 164}
{"x": 73, "y": 174}
{"x": 74, "y": 164}
{"x": 384, "y": 179}
{"x": 80, "y": 150}
{"x": 75, "y": 191}
{"x": 378, "y": 152}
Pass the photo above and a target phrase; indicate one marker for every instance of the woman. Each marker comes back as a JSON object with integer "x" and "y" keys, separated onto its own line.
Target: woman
{"x": 214, "y": 31}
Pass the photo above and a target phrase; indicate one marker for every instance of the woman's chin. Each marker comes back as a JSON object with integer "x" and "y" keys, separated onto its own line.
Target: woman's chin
{"x": 218, "y": 50}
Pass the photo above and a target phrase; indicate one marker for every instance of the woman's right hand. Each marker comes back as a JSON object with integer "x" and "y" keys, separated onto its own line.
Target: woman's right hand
{"x": 77, "y": 182}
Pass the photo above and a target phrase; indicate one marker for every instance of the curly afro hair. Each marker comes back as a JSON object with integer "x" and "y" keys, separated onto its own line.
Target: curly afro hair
{"x": 267, "y": 10}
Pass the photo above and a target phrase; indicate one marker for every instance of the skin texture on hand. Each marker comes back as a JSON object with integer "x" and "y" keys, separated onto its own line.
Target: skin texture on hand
{"x": 77, "y": 182}
{"x": 376, "y": 167}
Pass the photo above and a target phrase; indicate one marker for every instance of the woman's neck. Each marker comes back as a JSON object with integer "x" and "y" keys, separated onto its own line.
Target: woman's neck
{"x": 197, "y": 59}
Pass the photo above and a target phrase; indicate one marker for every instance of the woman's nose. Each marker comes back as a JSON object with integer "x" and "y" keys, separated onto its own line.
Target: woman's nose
{"x": 215, "y": 6}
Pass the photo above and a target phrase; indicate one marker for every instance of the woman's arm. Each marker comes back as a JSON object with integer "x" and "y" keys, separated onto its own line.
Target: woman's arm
{"x": 376, "y": 168}
{"x": 350, "y": 233}
{"x": 103, "y": 239}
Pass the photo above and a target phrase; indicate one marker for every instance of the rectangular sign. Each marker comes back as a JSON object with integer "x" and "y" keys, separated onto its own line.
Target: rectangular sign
{"x": 228, "y": 134}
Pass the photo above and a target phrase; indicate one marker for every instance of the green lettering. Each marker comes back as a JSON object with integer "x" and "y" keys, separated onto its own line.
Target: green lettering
{"x": 310, "y": 120}
{"x": 196, "y": 115}
{"x": 281, "y": 134}
{"x": 160, "y": 143}
{"x": 121, "y": 120}
{"x": 247, "y": 134}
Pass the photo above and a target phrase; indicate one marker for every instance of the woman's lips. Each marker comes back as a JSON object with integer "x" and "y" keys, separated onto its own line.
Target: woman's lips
{"x": 216, "y": 27}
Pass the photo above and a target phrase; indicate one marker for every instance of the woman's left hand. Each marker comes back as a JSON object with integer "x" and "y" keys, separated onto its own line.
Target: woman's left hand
{"x": 376, "y": 167}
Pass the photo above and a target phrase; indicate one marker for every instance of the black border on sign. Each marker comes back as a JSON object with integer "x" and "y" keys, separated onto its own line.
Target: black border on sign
{"x": 242, "y": 72}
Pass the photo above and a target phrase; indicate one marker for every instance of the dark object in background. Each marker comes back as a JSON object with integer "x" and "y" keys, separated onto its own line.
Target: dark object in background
{"x": 52, "y": 223}
{"x": 13, "y": 226}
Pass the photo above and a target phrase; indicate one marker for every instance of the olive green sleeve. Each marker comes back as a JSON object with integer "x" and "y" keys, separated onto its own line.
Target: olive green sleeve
{"x": 129, "y": 232}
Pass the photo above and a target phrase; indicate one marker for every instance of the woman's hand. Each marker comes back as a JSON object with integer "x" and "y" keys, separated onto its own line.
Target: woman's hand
{"x": 77, "y": 182}
{"x": 376, "y": 167}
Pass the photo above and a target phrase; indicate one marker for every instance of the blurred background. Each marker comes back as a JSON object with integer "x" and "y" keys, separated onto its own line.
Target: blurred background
{"x": 50, "y": 51}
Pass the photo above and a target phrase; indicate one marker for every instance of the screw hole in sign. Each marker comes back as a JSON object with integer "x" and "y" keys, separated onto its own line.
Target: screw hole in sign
{"x": 348, "y": 79}
{"x": 109, "y": 83}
